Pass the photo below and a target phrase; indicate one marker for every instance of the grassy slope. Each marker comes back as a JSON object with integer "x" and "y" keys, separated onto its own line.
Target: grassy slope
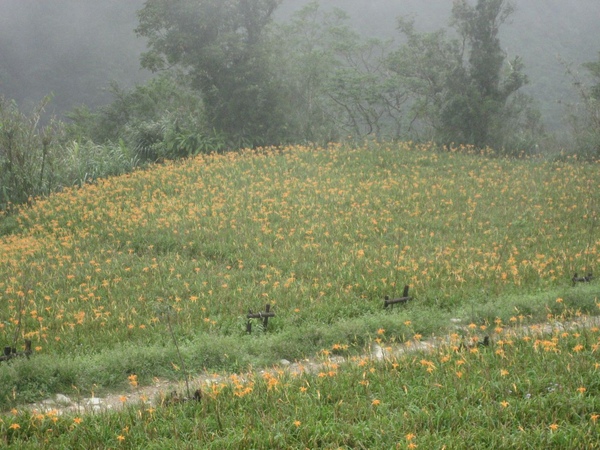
{"x": 94, "y": 276}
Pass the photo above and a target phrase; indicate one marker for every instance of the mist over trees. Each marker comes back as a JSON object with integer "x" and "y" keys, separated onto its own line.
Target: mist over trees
{"x": 143, "y": 81}
{"x": 75, "y": 48}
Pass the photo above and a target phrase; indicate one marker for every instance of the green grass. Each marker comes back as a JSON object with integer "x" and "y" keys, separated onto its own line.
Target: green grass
{"x": 92, "y": 275}
{"x": 527, "y": 390}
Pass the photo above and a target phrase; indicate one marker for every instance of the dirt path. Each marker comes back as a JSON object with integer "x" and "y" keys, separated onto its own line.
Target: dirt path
{"x": 162, "y": 389}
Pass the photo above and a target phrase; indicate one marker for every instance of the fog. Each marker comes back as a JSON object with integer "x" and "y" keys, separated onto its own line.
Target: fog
{"x": 71, "y": 48}
{"x": 75, "y": 48}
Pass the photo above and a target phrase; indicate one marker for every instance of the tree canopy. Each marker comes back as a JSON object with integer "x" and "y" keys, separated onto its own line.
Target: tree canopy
{"x": 220, "y": 47}
{"x": 465, "y": 88}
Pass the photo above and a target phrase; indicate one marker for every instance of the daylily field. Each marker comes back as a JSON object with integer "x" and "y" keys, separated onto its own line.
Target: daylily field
{"x": 104, "y": 280}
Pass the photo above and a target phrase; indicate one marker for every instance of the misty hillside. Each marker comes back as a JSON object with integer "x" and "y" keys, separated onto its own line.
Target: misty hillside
{"x": 74, "y": 48}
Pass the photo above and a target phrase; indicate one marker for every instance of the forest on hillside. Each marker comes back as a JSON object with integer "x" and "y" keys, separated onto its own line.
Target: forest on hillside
{"x": 90, "y": 89}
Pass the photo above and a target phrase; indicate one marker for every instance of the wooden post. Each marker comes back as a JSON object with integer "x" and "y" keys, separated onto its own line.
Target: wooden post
{"x": 392, "y": 301}
{"x": 585, "y": 279}
{"x": 266, "y": 317}
{"x": 259, "y": 315}
{"x": 11, "y": 352}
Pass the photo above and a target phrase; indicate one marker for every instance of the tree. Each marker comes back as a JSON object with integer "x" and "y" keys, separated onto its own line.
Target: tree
{"x": 425, "y": 65}
{"x": 368, "y": 97}
{"x": 585, "y": 116}
{"x": 302, "y": 53}
{"x": 337, "y": 83}
{"x": 593, "y": 69}
{"x": 476, "y": 103}
{"x": 220, "y": 47}
{"x": 466, "y": 88}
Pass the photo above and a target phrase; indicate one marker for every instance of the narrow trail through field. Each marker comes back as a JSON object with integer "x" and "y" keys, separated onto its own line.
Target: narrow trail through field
{"x": 162, "y": 390}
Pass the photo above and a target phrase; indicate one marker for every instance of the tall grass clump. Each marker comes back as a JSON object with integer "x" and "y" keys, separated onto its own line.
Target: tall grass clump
{"x": 29, "y": 153}
{"x": 38, "y": 158}
{"x": 85, "y": 162}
